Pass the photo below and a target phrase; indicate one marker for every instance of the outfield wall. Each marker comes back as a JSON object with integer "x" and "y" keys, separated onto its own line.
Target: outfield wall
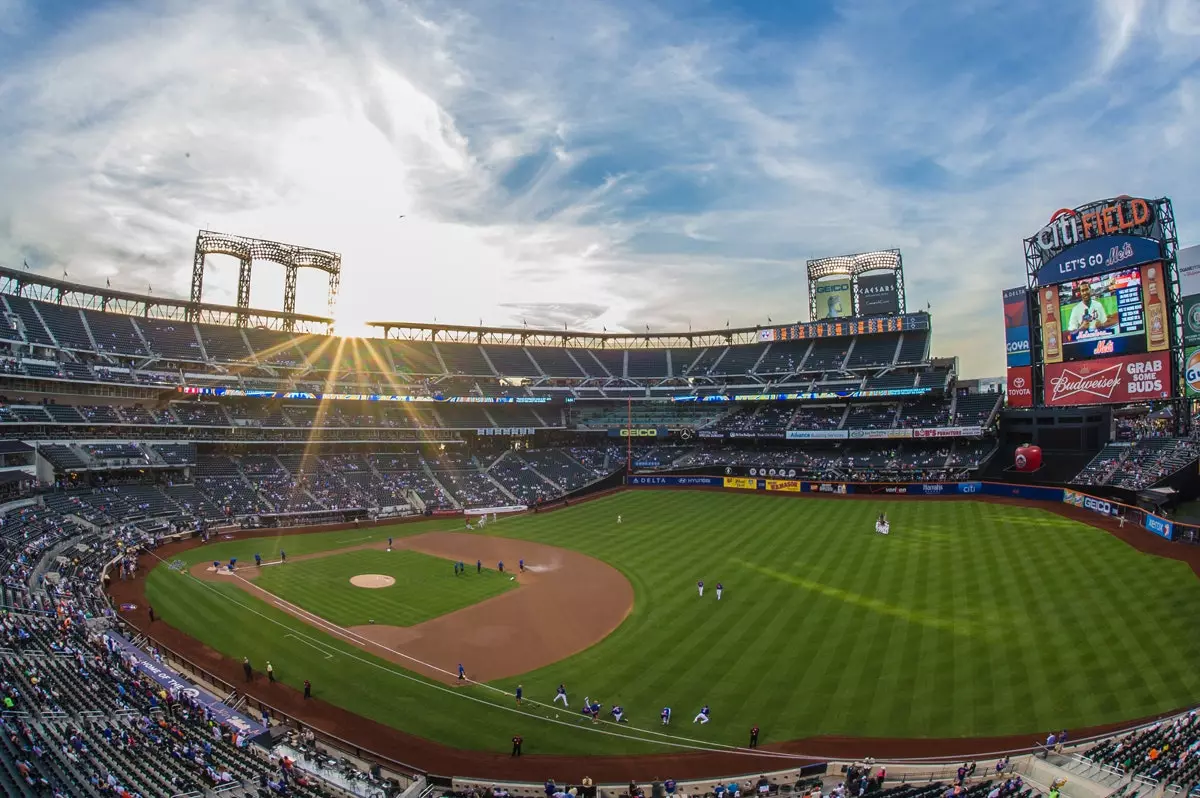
{"x": 774, "y": 481}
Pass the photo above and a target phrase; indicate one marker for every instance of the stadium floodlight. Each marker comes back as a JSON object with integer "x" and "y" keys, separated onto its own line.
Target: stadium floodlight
{"x": 247, "y": 250}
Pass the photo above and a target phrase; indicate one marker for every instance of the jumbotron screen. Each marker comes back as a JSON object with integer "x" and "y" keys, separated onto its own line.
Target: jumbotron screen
{"x": 1101, "y": 316}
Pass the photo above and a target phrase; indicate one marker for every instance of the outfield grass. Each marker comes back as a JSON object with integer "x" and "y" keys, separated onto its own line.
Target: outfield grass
{"x": 422, "y": 591}
{"x": 971, "y": 619}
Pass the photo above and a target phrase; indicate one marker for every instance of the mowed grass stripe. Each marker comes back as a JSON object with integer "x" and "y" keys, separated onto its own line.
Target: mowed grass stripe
{"x": 947, "y": 627}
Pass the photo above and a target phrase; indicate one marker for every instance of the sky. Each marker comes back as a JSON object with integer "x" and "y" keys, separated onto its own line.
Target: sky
{"x": 610, "y": 165}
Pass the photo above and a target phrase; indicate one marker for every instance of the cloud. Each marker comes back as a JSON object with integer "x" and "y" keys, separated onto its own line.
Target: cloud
{"x": 603, "y": 164}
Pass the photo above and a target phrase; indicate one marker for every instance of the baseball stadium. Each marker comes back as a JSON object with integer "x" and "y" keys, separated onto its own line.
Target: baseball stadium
{"x": 621, "y": 541}
{"x": 450, "y": 557}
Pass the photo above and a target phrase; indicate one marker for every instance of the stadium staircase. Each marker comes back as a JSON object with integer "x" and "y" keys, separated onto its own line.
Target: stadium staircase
{"x": 543, "y": 477}
{"x": 953, "y": 406}
{"x": 454, "y": 502}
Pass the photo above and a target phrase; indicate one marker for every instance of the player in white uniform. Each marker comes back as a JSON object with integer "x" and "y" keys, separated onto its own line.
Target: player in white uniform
{"x": 562, "y": 693}
{"x": 700, "y": 587}
{"x": 618, "y": 519}
{"x": 702, "y": 715}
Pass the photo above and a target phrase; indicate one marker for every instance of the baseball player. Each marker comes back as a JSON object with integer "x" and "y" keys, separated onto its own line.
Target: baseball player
{"x": 618, "y": 519}
{"x": 483, "y": 521}
{"x": 700, "y": 587}
{"x": 521, "y": 564}
{"x": 258, "y": 561}
{"x": 462, "y": 673}
{"x": 389, "y": 544}
{"x": 618, "y": 713}
{"x": 702, "y": 715}
{"x": 562, "y": 693}
{"x": 520, "y": 692}
{"x": 502, "y": 566}
{"x": 282, "y": 556}
{"x": 720, "y": 589}
{"x": 216, "y": 565}
{"x": 666, "y": 716}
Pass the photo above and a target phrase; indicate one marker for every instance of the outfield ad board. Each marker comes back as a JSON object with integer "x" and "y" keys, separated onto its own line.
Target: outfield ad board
{"x": 1159, "y": 526}
{"x": 784, "y": 485}
{"x": 1111, "y": 380}
{"x": 676, "y": 482}
{"x": 741, "y": 483}
{"x": 1020, "y": 386}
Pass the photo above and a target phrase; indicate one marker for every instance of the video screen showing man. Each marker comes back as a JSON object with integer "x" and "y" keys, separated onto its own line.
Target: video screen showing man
{"x": 1093, "y": 311}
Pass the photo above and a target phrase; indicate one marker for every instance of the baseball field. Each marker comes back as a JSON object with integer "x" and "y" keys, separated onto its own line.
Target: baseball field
{"x": 971, "y": 619}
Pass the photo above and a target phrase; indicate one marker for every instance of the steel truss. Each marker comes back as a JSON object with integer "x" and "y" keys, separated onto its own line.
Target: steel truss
{"x": 247, "y": 251}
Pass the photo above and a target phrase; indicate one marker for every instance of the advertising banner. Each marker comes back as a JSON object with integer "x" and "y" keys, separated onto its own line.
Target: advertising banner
{"x": 835, "y": 298}
{"x": 1034, "y": 492}
{"x": 1020, "y": 386}
{"x": 515, "y": 432}
{"x": 676, "y": 481}
{"x": 172, "y": 682}
{"x": 1188, "y": 261}
{"x": 1100, "y": 506}
{"x": 840, "y": 488}
{"x": 637, "y": 432}
{"x": 1154, "y": 297}
{"x": 1097, "y": 256}
{"x": 888, "y": 490}
{"x": 710, "y": 433}
{"x": 785, "y": 485}
{"x": 741, "y": 483}
{"x": 1191, "y": 320}
{"x": 880, "y": 434}
{"x": 1048, "y": 315}
{"x": 816, "y": 434}
{"x": 1130, "y": 378}
{"x": 877, "y": 295}
{"x": 1160, "y": 526}
{"x": 1016, "y": 327}
{"x": 970, "y": 488}
{"x": 947, "y": 432}
{"x": 1191, "y": 372}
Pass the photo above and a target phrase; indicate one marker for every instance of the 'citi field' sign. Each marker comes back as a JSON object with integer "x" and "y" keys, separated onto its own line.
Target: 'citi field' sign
{"x": 1130, "y": 216}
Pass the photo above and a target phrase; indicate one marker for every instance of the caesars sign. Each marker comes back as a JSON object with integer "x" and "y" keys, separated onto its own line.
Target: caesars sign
{"x": 1110, "y": 380}
{"x": 835, "y": 298}
{"x": 1123, "y": 216}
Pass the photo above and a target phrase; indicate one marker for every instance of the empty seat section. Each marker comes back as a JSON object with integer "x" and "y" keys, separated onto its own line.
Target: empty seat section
{"x": 115, "y": 333}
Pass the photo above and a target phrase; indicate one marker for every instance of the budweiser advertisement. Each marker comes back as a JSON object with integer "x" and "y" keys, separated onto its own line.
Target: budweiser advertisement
{"x": 1020, "y": 386}
{"x": 1130, "y": 378}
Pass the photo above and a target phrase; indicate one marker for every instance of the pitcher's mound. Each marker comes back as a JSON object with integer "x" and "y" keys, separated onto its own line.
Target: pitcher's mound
{"x": 372, "y": 580}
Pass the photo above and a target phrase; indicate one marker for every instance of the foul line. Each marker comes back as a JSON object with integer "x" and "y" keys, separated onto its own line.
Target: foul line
{"x": 317, "y": 646}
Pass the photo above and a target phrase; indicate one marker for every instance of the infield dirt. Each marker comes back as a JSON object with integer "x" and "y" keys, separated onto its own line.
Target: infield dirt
{"x": 567, "y": 602}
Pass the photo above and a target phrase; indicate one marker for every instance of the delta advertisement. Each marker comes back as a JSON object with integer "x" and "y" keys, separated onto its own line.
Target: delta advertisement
{"x": 835, "y": 298}
{"x": 1016, "y": 327}
{"x": 1131, "y": 378}
{"x": 676, "y": 482}
{"x": 877, "y": 295}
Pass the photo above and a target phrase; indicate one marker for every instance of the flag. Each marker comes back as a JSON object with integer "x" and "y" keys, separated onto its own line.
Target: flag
{"x": 26, "y": 265}
{"x": 107, "y": 283}
{"x": 769, "y": 320}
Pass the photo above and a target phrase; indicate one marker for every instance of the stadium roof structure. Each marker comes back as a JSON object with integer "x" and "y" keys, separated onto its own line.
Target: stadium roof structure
{"x": 21, "y": 283}
{"x": 530, "y": 336}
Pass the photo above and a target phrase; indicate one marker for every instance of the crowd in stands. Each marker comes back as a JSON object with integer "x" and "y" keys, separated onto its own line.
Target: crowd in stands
{"x": 1138, "y": 464}
{"x": 79, "y": 717}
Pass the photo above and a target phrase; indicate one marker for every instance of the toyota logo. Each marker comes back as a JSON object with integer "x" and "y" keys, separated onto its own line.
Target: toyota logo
{"x": 1019, "y": 382}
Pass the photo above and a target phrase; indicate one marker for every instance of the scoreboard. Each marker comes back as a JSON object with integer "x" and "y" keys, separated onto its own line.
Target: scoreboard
{"x": 837, "y": 328}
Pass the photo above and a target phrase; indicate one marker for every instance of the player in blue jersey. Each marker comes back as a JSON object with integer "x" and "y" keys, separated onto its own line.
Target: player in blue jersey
{"x": 562, "y": 693}
{"x": 666, "y": 716}
{"x": 702, "y": 715}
